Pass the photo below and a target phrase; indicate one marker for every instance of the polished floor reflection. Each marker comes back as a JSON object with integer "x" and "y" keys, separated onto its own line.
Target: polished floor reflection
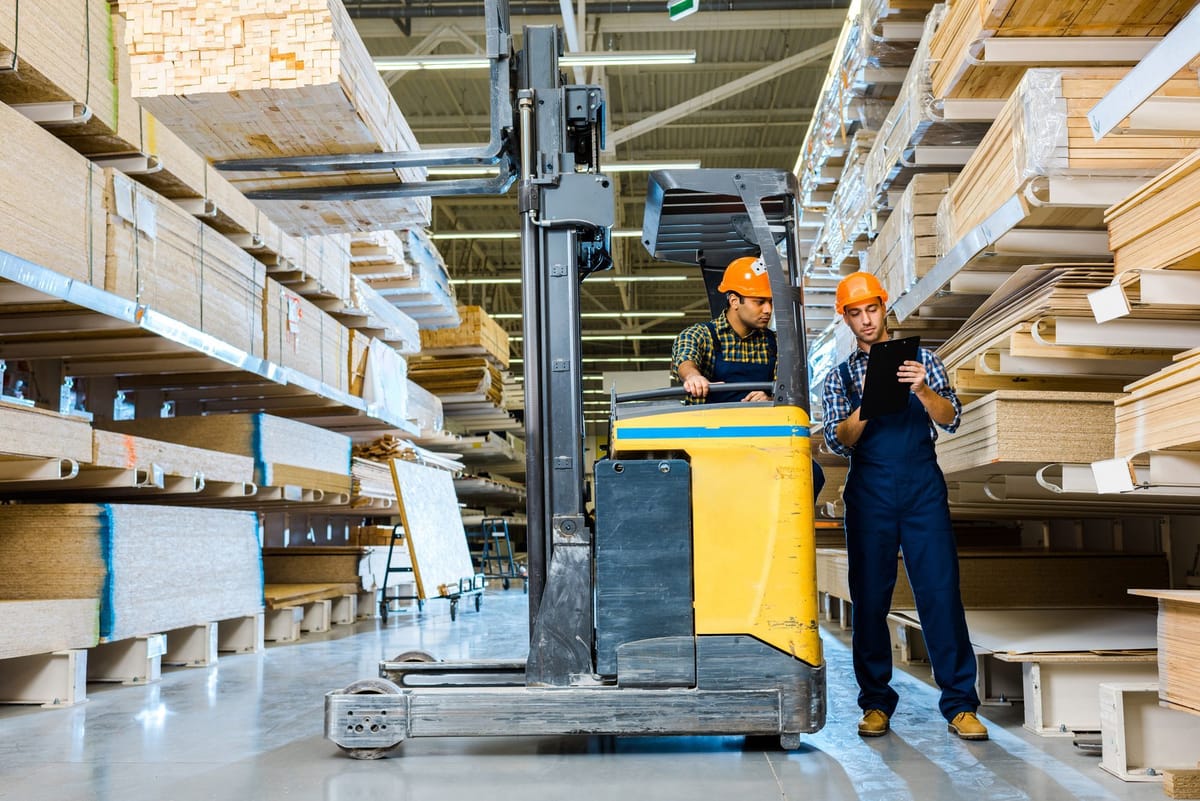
{"x": 251, "y": 728}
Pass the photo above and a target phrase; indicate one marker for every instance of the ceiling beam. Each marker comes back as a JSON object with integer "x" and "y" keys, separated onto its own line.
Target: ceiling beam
{"x": 654, "y": 121}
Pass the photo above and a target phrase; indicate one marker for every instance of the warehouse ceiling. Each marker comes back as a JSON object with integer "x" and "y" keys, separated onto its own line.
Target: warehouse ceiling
{"x": 726, "y": 110}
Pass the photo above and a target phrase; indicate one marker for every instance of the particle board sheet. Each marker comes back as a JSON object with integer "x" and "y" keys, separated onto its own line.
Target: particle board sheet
{"x": 315, "y": 564}
{"x": 906, "y": 248}
{"x": 152, "y": 569}
{"x": 1020, "y": 633}
{"x": 248, "y": 79}
{"x": 1156, "y": 227}
{"x": 1162, "y": 411}
{"x": 31, "y": 432}
{"x": 301, "y": 336}
{"x": 372, "y": 486}
{"x": 1011, "y": 428}
{"x": 126, "y": 451}
{"x": 477, "y": 334}
{"x": 1178, "y": 647}
{"x": 959, "y": 41}
{"x": 433, "y": 526}
{"x": 53, "y": 215}
{"x": 272, "y": 442}
{"x": 1043, "y": 131}
{"x": 163, "y": 258}
{"x": 28, "y": 628}
{"x": 1000, "y": 579}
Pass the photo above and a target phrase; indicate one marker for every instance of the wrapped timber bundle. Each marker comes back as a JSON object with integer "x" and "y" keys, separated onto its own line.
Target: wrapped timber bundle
{"x": 54, "y": 215}
{"x": 1162, "y": 411}
{"x": 905, "y": 248}
{"x": 1027, "y": 335}
{"x": 1178, "y": 648}
{"x": 152, "y": 568}
{"x": 164, "y": 258}
{"x": 1041, "y": 133}
{"x": 915, "y": 122}
{"x": 459, "y": 380}
{"x": 285, "y": 452}
{"x": 848, "y": 217}
{"x": 477, "y": 334}
{"x": 960, "y": 69}
{"x": 426, "y": 295}
{"x": 249, "y": 79}
{"x": 302, "y": 337}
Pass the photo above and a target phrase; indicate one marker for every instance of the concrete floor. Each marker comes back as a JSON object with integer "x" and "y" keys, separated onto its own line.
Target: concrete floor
{"x": 251, "y": 728}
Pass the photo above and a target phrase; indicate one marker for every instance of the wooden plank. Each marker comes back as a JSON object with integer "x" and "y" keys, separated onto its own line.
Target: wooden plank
{"x": 279, "y": 596}
{"x": 433, "y": 526}
{"x": 237, "y": 81}
{"x": 27, "y": 431}
{"x": 126, "y": 451}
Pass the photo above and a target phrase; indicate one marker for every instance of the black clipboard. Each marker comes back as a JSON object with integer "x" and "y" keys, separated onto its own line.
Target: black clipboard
{"x": 884, "y": 393}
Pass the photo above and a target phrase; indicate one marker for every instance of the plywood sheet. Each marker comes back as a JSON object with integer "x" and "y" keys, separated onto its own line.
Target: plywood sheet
{"x": 432, "y": 522}
{"x": 1049, "y": 631}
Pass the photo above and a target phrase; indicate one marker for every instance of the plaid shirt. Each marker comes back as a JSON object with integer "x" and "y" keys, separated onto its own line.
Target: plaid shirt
{"x": 836, "y": 401}
{"x": 694, "y": 344}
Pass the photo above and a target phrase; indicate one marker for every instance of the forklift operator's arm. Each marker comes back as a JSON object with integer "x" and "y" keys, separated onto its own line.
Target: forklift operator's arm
{"x": 693, "y": 380}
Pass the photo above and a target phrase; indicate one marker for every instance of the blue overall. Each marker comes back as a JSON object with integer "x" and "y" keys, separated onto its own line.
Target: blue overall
{"x": 730, "y": 372}
{"x": 895, "y": 499}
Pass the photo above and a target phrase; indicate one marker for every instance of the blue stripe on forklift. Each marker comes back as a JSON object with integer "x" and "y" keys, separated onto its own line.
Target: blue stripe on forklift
{"x": 724, "y": 432}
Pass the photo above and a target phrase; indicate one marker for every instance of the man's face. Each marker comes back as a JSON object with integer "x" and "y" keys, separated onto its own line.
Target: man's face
{"x": 866, "y": 321}
{"x": 752, "y": 312}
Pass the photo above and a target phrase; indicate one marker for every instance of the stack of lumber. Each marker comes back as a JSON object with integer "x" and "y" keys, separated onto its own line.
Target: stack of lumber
{"x": 1178, "y": 647}
{"x": 378, "y": 255}
{"x": 28, "y": 628}
{"x": 848, "y": 218}
{"x": 1043, "y": 131}
{"x": 905, "y": 248}
{"x": 300, "y": 336}
{"x": 285, "y": 452}
{"x": 957, "y": 46}
{"x": 1009, "y": 342}
{"x": 1008, "y": 430}
{"x": 1156, "y": 227}
{"x": 915, "y": 121}
{"x": 53, "y": 216}
{"x": 998, "y": 579}
{"x": 388, "y": 447}
{"x": 879, "y": 46}
{"x": 426, "y": 294}
{"x": 466, "y": 383}
{"x": 376, "y": 536}
{"x": 1162, "y": 411}
{"x": 164, "y": 258}
{"x": 242, "y": 80}
{"x": 424, "y": 410}
{"x": 26, "y": 431}
{"x": 152, "y": 569}
{"x": 371, "y": 484}
{"x": 369, "y": 313}
{"x": 126, "y": 452}
{"x": 316, "y": 267}
{"x": 477, "y": 334}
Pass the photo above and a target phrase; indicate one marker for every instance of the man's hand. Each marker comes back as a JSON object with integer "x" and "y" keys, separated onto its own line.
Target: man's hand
{"x": 755, "y": 396}
{"x": 696, "y": 385}
{"x": 912, "y": 373}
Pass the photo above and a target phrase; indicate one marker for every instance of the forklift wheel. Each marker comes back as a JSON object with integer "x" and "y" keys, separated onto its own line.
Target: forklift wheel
{"x": 415, "y": 656}
{"x": 370, "y": 687}
{"x": 479, "y": 600}
{"x": 505, "y": 583}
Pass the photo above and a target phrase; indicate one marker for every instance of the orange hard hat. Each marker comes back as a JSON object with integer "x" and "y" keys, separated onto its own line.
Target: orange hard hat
{"x": 746, "y": 276}
{"x": 858, "y": 287}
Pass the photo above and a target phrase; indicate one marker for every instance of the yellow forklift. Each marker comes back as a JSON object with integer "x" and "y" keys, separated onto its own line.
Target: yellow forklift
{"x": 686, "y": 603}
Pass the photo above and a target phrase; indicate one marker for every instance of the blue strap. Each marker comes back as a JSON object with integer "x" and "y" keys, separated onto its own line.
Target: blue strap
{"x": 848, "y": 385}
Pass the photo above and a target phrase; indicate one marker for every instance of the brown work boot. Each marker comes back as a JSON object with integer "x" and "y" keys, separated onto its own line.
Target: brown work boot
{"x": 874, "y": 723}
{"x": 967, "y": 726}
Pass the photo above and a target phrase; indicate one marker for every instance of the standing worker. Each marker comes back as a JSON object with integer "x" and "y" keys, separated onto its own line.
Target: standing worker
{"x": 736, "y": 347}
{"x": 896, "y": 500}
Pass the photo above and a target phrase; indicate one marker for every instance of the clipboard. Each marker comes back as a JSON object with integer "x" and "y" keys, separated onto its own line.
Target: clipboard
{"x": 884, "y": 393}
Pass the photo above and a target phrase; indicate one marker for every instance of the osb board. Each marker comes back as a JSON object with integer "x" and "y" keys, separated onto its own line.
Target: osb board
{"x": 235, "y": 80}
{"x": 265, "y": 438}
{"x": 127, "y": 451}
{"x": 152, "y": 568}
{"x": 433, "y": 525}
{"x": 42, "y": 627}
{"x": 998, "y": 579}
{"x": 1058, "y": 631}
{"x": 53, "y": 215}
{"x": 26, "y": 431}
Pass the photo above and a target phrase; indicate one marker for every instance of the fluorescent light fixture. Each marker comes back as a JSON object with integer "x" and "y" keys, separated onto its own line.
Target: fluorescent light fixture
{"x": 595, "y": 403}
{"x": 629, "y": 315}
{"x": 597, "y": 58}
{"x": 609, "y": 360}
{"x": 611, "y": 337}
{"x": 648, "y": 166}
{"x": 598, "y": 279}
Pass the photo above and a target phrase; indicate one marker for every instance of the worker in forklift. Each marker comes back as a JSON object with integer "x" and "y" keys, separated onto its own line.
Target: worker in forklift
{"x": 736, "y": 347}
{"x": 896, "y": 500}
